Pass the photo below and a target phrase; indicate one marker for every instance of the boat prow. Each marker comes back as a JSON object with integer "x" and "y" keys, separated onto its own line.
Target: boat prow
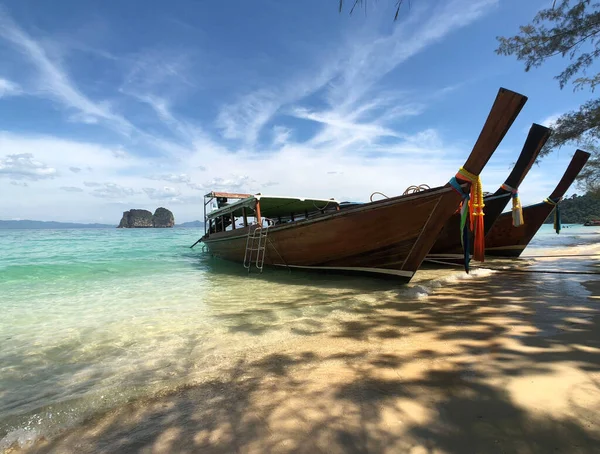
{"x": 385, "y": 238}
{"x": 448, "y": 247}
{"x": 506, "y": 240}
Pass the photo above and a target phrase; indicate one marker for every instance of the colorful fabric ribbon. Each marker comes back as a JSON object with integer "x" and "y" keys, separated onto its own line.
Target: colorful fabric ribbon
{"x": 517, "y": 209}
{"x": 557, "y": 220}
{"x": 472, "y": 208}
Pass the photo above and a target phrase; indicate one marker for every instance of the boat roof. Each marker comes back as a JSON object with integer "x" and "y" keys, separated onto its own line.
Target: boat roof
{"x": 274, "y": 206}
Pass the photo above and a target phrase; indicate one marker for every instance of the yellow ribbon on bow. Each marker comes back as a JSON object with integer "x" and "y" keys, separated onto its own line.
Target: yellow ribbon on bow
{"x": 475, "y": 212}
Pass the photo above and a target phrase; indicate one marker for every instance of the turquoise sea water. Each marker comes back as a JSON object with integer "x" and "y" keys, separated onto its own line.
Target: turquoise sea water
{"x": 90, "y": 319}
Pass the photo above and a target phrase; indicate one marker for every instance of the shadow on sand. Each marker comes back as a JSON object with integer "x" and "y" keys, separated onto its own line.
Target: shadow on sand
{"x": 486, "y": 366}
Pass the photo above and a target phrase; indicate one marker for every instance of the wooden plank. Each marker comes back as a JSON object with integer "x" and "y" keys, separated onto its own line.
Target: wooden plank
{"x": 536, "y": 139}
{"x": 228, "y": 195}
{"x": 504, "y": 111}
{"x": 577, "y": 162}
{"x": 258, "y": 217}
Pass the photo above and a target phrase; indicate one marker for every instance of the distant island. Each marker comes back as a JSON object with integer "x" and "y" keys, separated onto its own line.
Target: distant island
{"x": 191, "y": 224}
{"x": 52, "y": 225}
{"x": 144, "y": 219}
{"x": 578, "y": 209}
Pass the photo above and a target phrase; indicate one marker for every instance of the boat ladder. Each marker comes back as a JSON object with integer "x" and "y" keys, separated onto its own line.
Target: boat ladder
{"x": 256, "y": 241}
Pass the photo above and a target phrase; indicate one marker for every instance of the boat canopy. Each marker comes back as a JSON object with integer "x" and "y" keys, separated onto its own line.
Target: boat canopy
{"x": 274, "y": 206}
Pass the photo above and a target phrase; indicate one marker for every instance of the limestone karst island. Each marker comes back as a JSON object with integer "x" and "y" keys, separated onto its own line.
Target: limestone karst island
{"x": 144, "y": 219}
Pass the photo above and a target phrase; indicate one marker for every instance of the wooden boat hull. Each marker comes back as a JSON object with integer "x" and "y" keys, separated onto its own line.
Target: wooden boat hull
{"x": 505, "y": 240}
{"x": 387, "y": 238}
{"x": 448, "y": 247}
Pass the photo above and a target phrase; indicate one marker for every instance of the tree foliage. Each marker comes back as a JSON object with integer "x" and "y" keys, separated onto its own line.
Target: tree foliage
{"x": 364, "y": 3}
{"x": 570, "y": 29}
{"x": 578, "y": 209}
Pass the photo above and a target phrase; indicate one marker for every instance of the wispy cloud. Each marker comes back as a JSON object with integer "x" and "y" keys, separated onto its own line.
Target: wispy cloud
{"x": 372, "y": 57}
{"x": 329, "y": 129}
{"x": 245, "y": 119}
{"x": 8, "y": 88}
{"x": 550, "y": 120}
{"x": 281, "y": 135}
{"x": 112, "y": 191}
{"x": 25, "y": 167}
{"x": 348, "y": 82}
{"x": 236, "y": 183}
{"x": 171, "y": 178}
{"x": 71, "y": 189}
{"x": 52, "y": 80}
{"x": 162, "y": 193}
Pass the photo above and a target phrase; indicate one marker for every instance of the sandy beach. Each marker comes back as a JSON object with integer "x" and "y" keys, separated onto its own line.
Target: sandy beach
{"x": 501, "y": 362}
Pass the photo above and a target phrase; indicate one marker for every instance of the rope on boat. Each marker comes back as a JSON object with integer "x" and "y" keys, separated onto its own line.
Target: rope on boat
{"x": 555, "y": 204}
{"x": 414, "y": 189}
{"x": 192, "y": 246}
{"x": 321, "y": 209}
{"x": 517, "y": 209}
{"x": 282, "y": 259}
{"x": 377, "y": 192}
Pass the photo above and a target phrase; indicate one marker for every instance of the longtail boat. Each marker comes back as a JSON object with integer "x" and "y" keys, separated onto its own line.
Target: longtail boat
{"x": 506, "y": 240}
{"x": 448, "y": 247}
{"x": 386, "y": 238}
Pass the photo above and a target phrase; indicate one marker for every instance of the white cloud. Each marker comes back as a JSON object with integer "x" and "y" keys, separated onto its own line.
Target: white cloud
{"x": 373, "y": 57}
{"x": 19, "y": 183}
{"x": 171, "y": 178}
{"x": 8, "y": 88}
{"x": 25, "y": 167}
{"x": 550, "y": 120}
{"x": 244, "y": 119}
{"x": 281, "y": 135}
{"x": 234, "y": 183}
{"x": 71, "y": 189}
{"x": 112, "y": 191}
{"x": 164, "y": 193}
{"x": 359, "y": 146}
{"x": 349, "y": 77}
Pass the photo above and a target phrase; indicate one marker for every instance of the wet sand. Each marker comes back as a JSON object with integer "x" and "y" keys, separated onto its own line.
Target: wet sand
{"x": 503, "y": 363}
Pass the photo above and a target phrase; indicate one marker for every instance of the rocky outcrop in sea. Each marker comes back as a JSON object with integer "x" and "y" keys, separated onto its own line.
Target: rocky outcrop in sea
{"x": 139, "y": 219}
{"x": 163, "y": 218}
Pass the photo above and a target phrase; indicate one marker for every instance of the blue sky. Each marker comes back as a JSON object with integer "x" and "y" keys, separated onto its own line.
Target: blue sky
{"x": 106, "y": 106}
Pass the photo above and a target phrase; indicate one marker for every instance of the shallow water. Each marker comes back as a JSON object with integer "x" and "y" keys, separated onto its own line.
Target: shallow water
{"x": 91, "y": 319}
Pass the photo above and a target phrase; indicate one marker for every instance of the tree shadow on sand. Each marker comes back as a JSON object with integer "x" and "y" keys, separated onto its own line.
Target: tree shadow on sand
{"x": 438, "y": 374}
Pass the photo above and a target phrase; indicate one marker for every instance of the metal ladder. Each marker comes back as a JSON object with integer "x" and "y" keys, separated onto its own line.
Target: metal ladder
{"x": 256, "y": 241}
